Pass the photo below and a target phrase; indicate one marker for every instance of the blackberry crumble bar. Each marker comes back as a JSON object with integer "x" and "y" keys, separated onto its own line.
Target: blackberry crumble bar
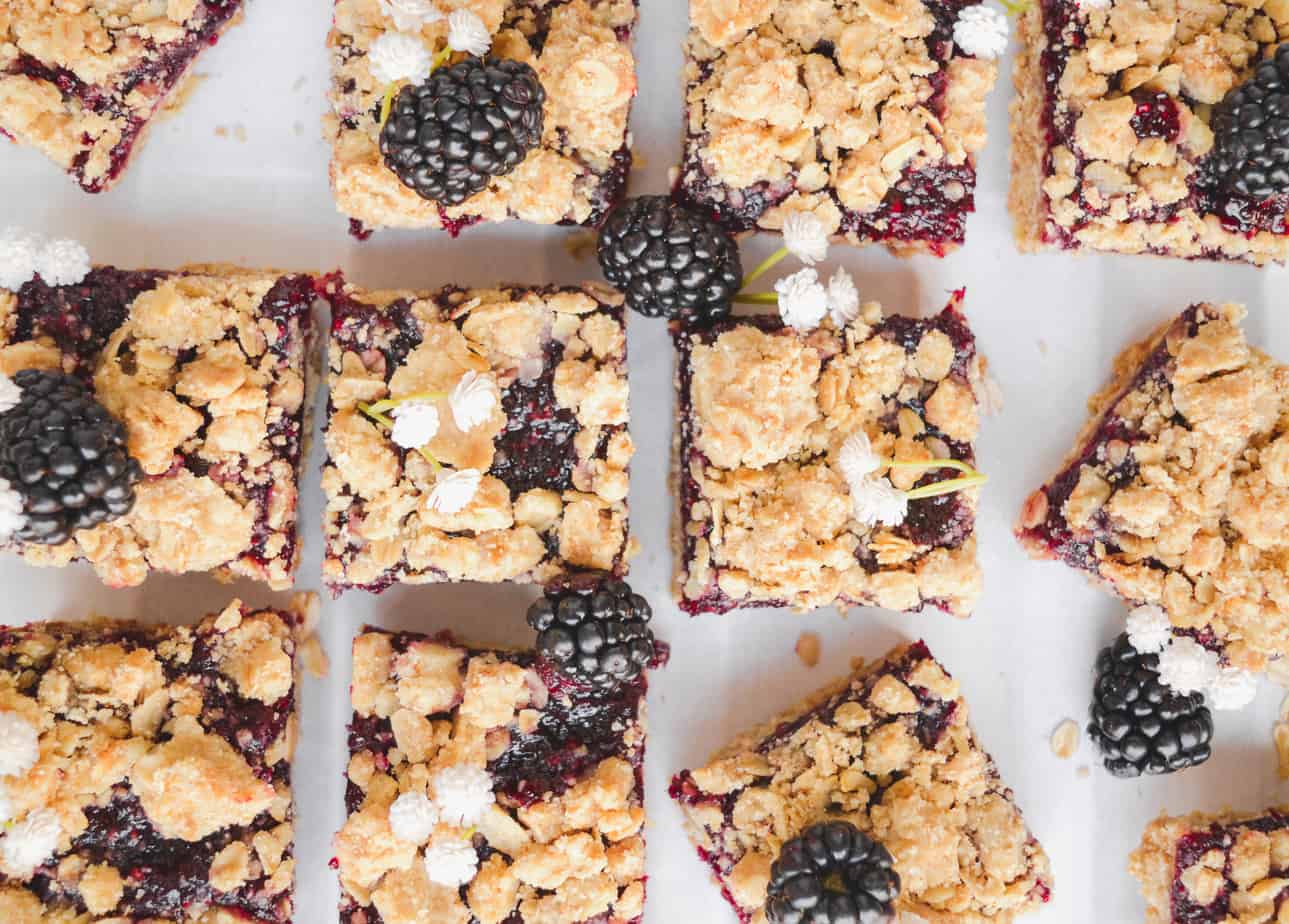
{"x": 580, "y": 51}
{"x": 888, "y": 749}
{"x": 765, "y": 514}
{"x": 866, "y": 114}
{"x": 205, "y": 368}
{"x": 546, "y": 454}
{"x": 1206, "y": 869}
{"x": 82, "y": 82}
{"x": 1113, "y": 129}
{"x": 526, "y": 784}
{"x": 1177, "y": 490}
{"x": 146, "y": 770}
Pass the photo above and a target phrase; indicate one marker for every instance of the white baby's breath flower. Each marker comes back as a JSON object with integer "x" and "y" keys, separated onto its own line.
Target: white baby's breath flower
{"x": 63, "y": 262}
{"x": 856, "y": 457}
{"x": 10, "y": 393}
{"x": 451, "y": 861}
{"x": 981, "y": 31}
{"x": 803, "y": 301}
{"x": 410, "y": 15}
{"x": 454, "y": 491}
{"x": 19, "y": 251}
{"x": 1149, "y": 629}
{"x": 19, "y": 744}
{"x": 1187, "y": 666}
{"x": 843, "y": 298}
{"x": 876, "y": 501}
{"x": 31, "y": 842}
{"x": 412, "y": 817}
{"x": 415, "y": 424}
{"x": 1232, "y": 688}
{"x": 466, "y": 32}
{"x": 396, "y": 56}
{"x": 803, "y": 235}
{"x": 472, "y": 400}
{"x": 1094, "y": 4}
{"x": 12, "y": 519}
{"x": 462, "y": 793}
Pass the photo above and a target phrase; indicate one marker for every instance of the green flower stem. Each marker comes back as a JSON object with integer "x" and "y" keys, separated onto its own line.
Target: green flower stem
{"x": 441, "y": 58}
{"x": 931, "y": 463}
{"x": 1016, "y": 7}
{"x": 764, "y": 267}
{"x": 389, "y": 404}
{"x": 757, "y": 298}
{"x": 387, "y": 104}
{"x": 947, "y": 487}
{"x": 374, "y": 411}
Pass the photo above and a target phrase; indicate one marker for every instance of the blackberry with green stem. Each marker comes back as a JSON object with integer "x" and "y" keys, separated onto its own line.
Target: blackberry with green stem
{"x": 1139, "y": 724}
{"x": 449, "y": 137}
{"x": 598, "y": 635}
{"x": 1251, "y": 132}
{"x": 832, "y": 873}
{"x": 66, "y": 457}
{"x": 670, "y": 261}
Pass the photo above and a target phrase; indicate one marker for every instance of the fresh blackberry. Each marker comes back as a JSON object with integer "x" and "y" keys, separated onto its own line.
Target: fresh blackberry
{"x": 669, "y": 261}
{"x": 832, "y": 873}
{"x": 1139, "y": 724}
{"x": 66, "y": 456}
{"x": 600, "y": 636}
{"x": 448, "y": 137}
{"x": 1251, "y": 131}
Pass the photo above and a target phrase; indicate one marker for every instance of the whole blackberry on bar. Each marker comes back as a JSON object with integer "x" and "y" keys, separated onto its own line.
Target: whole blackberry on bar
{"x": 832, "y": 873}
{"x": 670, "y": 261}
{"x": 448, "y": 137}
{"x": 66, "y": 457}
{"x": 598, "y": 636}
{"x": 1251, "y": 131}
{"x": 1140, "y": 724}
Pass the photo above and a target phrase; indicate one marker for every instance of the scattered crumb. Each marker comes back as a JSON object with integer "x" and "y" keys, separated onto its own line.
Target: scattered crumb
{"x": 314, "y": 658}
{"x": 1042, "y": 346}
{"x": 1065, "y": 740}
{"x": 221, "y": 131}
{"x": 299, "y": 83}
{"x": 808, "y": 648}
{"x": 176, "y": 100}
{"x": 1083, "y": 771}
{"x": 237, "y": 131}
{"x": 580, "y": 245}
{"x": 638, "y": 160}
{"x": 1280, "y": 734}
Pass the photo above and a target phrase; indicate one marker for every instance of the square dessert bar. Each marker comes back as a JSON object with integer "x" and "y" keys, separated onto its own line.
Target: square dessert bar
{"x": 556, "y": 835}
{"x": 206, "y": 368}
{"x": 1209, "y": 869}
{"x": 765, "y": 514}
{"x": 866, "y": 114}
{"x": 581, "y": 52}
{"x": 1177, "y": 490}
{"x": 81, "y": 82}
{"x": 1112, "y": 144}
{"x": 552, "y": 452}
{"x": 147, "y": 770}
{"x": 888, "y": 749}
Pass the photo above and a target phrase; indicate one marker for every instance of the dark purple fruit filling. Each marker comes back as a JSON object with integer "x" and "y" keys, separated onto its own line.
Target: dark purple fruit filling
{"x": 1191, "y": 848}
{"x": 1157, "y": 116}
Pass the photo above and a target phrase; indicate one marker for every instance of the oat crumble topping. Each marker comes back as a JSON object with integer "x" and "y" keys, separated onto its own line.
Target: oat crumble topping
{"x": 1177, "y": 491}
{"x": 1110, "y": 130}
{"x": 81, "y": 81}
{"x": 168, "y": 778}
{"x": 765, "y": 512}
{"x": 207, "y": 369}
{"x": 890, "y": 750}
{"x": 564, "y": 840}
{"x": 862, "y": 112}
{"x": 581, "y": 52}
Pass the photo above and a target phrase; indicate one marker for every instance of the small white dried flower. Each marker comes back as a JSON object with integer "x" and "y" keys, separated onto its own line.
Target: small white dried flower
{"x": 981, "y": 31}
{"x": 1233, "y": 688}
{"x": 856, "y": 457}
{"x": 396, "y": 56}
{"x": 415, "y": 424}
{"x": 10, "y": 393}
{"x": 19, "y": 744}
{"x": 18, "y": 253}
{"x": 63, "y": 262}
{"x": 454, "y": 491}
{"x": 32, "y": 841}
{"x": 876, "y": 501}
{"x": 13, "y": 517}
{"x": 462, "y": 793}
{"x": 451, "y": 861}
{"x": 1187, "y": 666}
{"x": 803, "y": 302}
{"x": 804, "y": 236}
{"x": 411, "y": 15}
{"x": 412, "y": 817}
{"x": 472, "y": 400}
{"x": 843, "y": 298}
{"x": 1094, "y": 4}
{"x": 1149, "y": 629}
{"x": 466, "y": 32}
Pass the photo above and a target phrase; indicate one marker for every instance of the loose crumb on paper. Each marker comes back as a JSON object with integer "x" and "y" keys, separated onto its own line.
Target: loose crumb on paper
{"x": 581, "y": 245}
{"x": 1083, "y": 772}
{"x": 1065, "y": 740}
{"x": 299, "y": 83}
{"x": 808, "y": 648}
{"x": 314, "y": 658}
{"x": 1042, "y": 346}
{"x": 1280, "y": 734}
